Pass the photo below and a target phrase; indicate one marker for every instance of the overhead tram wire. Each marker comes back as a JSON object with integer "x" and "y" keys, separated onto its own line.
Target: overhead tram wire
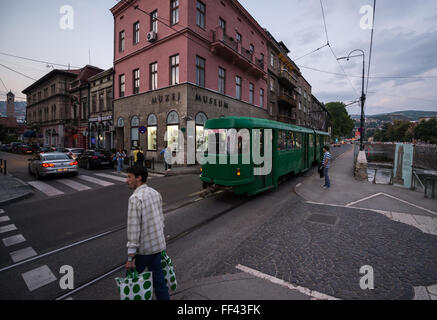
{"x": 330, "y": 47}
{"x": 41, "y": 61}
{"x": 371, "y": 45}
{"x": 312, "y": 52}
{"x": 22, "y": 74}
{"x": 3, "y": 84}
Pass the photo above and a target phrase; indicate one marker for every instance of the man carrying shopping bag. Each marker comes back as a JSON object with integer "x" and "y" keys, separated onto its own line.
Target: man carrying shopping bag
{"x": 145, "y": 230}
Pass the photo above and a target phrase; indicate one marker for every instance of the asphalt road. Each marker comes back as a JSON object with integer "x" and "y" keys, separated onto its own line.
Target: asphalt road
{"x": 51, "y": 223}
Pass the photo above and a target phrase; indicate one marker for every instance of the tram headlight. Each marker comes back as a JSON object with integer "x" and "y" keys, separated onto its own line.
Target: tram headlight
{"x": 238, "y": 172}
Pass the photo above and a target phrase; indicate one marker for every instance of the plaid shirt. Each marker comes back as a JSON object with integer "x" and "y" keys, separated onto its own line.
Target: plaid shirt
{"x": 145, "y": 222}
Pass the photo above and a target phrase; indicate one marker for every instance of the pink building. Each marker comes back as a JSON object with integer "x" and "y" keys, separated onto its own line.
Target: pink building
{"x": 176, "y": 61}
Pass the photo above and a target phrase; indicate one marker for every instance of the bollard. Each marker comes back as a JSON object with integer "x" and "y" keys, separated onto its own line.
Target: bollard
{"x": 4, "y": 167}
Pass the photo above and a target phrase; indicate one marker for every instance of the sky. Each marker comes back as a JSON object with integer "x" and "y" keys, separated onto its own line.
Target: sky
{"x": 403, "y": 70}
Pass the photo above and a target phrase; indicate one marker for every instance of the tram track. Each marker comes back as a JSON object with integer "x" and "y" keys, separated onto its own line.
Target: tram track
{"x": 169, "y": 241}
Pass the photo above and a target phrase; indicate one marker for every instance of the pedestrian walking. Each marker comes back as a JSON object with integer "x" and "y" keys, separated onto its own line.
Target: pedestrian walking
{"x": 140, "y": 158}
{"x": 145, "y": 230}
{"x": 167, "y": 153}
{"x": 119, "y": 157}
{"x": 326, "y": 166}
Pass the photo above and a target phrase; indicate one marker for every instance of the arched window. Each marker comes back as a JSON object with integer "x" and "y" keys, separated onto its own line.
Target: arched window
{"x": 135, "y": 135}
{"x": 172, "y": 130}
{"x": 200, "y": 119}
{"x": 152, "y": 123}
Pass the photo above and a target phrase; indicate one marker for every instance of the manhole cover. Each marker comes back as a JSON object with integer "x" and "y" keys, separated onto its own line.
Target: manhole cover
{"x": 322, "y": 218}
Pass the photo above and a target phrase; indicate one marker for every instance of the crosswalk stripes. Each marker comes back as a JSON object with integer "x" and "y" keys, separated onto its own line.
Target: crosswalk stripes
{"x": 45, "y": 188}
{"x": 95, "y": 181}
{"x": 108, "y": 176}
{"x": 73, "y": 184}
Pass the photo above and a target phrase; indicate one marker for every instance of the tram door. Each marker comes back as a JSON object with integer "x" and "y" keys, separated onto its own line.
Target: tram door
{"x": 263, "y": 181}
{"x": 305, "y": 150}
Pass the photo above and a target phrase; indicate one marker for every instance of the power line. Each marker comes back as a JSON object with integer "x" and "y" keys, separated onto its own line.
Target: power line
{"x": 371, "y": 44}
{"x": 22, "y": 74}
{"x": 34, "y": 60}
{"x": 4, "y": 84}
{"x": 311, "y": 52}
{"x": 398, "y": 96}
{"x": 324, "y": 22}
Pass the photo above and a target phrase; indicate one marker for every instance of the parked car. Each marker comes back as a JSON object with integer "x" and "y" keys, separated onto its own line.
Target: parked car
{"x": 5, "y": 147}
{"x": 91, "y": 159}
{"x": 15, "y": 146}
{"x": 74, "y": 152}
{"x": 53, "y": 163}
{"x": 56, "y": 149}
{"x": 42, "y": 150}
{"x": 25, "y": 149}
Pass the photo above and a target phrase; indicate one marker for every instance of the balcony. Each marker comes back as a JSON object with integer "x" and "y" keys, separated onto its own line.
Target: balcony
{"x": 285, "y": 97}
{"x": 287, "y": 79}
{"x": 230, "y": 49}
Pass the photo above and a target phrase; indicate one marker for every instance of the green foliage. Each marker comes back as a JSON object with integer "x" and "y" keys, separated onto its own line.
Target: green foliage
{"x": 342, "y": 124}
{"x": 426, "y": 131}
{"x": 405, "y": 131}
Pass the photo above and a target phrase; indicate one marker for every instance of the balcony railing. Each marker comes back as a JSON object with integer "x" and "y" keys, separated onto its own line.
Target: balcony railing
{"x": 229, "y": 48}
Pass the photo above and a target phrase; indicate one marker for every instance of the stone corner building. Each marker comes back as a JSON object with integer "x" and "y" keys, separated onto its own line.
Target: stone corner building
{"x": 196, "y": 67}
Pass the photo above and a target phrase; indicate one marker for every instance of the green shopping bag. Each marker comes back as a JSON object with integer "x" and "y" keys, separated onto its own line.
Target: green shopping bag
{"x": 167, "y": 268}
{"x": 135, "y": 286}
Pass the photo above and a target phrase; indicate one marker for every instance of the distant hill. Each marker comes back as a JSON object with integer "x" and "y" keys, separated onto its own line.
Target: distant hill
{"x": 20, "y": 108}
{"x": 411, "y": 115}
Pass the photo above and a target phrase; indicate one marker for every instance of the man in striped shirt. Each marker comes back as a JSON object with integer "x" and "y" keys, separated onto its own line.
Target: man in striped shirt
{"x": 326, "y": 166}
{"x": 145, "y": 229}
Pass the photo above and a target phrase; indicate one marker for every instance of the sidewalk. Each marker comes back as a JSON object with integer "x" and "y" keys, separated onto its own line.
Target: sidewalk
{"x": 13, "y": 189}
{"x": 175, "y": 170}
{"x": 397, "y": 203}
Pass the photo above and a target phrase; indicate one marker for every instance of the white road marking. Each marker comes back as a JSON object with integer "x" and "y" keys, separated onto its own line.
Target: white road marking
{"x": 10, "y": 241}
{"x": 10, "y": 227}
{"x": 364, "y": 199}
{"x": 4, "y": 219}
{"x": 298, "y": 185}
{"x": 308, "y": 292}
{"x": 74, "y": 184}
{"x": 108, "y": 176}
{"x": 411, "y": 204}
{"x": 95, "y": 181}
{"x": 124, "y": 174}
{"x": 38, "y": 278}
{"x": 22, "y": 254}
{"x": 45, "y": 188}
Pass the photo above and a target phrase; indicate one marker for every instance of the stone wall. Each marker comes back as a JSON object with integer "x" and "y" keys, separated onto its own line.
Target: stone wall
{"x": 425, "y": 157}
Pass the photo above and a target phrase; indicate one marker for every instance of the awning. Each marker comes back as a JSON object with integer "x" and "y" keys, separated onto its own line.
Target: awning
{"x": 30, "y": 134}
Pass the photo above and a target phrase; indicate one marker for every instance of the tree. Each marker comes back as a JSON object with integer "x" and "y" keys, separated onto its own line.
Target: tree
{"x": 342, "y": 124}
{"x": 426, "y": 131}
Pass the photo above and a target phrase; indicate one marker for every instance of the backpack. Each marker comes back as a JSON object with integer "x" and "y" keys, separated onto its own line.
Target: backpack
{"x": 140, "y": 157}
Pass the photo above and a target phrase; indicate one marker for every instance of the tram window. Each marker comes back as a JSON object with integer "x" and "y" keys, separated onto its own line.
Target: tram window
{"x": 225, "y": 144}
{"x": 282, "y": 140}
{"x": 311, "y": 140}
{"x": 290, "y": 140}
{"x": 298, "y": 140}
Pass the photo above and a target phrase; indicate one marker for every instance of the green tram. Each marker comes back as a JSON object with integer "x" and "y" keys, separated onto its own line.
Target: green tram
{"x": 294, "y": 149}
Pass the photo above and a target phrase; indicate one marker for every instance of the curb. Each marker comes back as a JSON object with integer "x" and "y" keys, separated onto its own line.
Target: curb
{"x": 23, "y": 196}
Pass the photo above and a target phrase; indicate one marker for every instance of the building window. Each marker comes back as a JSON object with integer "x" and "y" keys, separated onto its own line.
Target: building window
{"x": 136, "y": 78}
{"x": 122, "y": 85}
{"x": 200, "y": 71}
{"x": 222, "y": 24}
{"x": 174, "y": 14}
{"x": 94, "y": 103}
{"x": 201, "y": 138}
{"x": 272, "y": 59}
{"x": 121, "y": 44}
{"x": 135, "y": 134}
{"x": 53, "y": 88}
{"x": 200, "y": 15}
{"x": 221, "y": 80}
{"x": 261, "y": 98}
{"x": 101, "y": 101}
{"x": 154, "y": 21}
{"x": 251, "y": 92}
{"x": 174, "y": 70}
{"x": 238, "y": 87}
{"x": 136, "y": 32}
{"x": 154, "y": 76}
{"x": 84, "y": 108}
{"x": 173, "y": 130}
{"x": 109, "y": 99}
{"x": 252, "y": 48}
{"x": 239, "y": 38}
{"x": 272, "y": 84}
{"x": 152, "y": 123}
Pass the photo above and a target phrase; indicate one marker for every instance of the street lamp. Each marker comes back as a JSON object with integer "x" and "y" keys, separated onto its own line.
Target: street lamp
{"x": 363, "y": 96}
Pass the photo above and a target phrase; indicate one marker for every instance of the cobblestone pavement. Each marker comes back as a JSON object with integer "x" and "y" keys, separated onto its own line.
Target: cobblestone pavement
{"x": 328, "y": 258}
